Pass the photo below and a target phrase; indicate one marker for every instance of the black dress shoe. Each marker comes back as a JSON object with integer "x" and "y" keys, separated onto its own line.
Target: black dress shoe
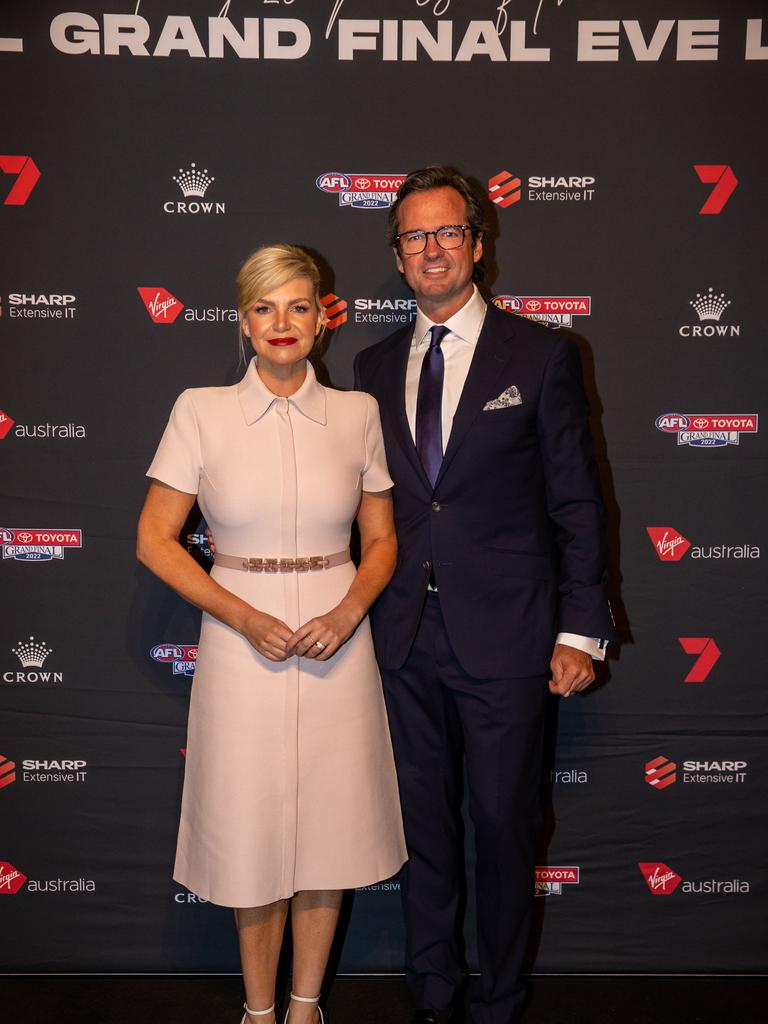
{"x": 429, "y": 1017}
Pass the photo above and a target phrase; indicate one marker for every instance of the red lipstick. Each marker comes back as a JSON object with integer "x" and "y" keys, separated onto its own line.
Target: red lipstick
{"x": 282, "y": 341}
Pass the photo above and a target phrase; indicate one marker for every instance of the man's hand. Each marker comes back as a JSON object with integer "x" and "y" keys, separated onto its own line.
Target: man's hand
{"x": 571, "y": 670}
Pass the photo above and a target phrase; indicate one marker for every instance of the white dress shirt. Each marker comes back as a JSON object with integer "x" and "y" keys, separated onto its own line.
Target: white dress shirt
{"x": 458, "y": 347}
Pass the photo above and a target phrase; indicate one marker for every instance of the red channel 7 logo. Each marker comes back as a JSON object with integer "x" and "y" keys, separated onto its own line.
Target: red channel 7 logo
{"x": 708, "y": 653}
{"x": 724, "y": 180}
{"x": 27, "y": 176}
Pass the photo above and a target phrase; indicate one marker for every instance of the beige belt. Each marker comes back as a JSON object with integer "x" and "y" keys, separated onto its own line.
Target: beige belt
{"x": 309, "y": 564}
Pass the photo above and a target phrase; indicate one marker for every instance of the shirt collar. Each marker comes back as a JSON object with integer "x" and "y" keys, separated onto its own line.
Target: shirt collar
{"x": 256, "y": 399}
{"x": 464, "y": 324}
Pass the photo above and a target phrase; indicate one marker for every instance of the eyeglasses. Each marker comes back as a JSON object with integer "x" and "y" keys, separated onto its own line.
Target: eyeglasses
{"x": 451, "y": 236}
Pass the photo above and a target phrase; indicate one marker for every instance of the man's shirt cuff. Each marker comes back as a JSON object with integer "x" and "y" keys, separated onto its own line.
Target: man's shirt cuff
{"x": 593, "y": 647}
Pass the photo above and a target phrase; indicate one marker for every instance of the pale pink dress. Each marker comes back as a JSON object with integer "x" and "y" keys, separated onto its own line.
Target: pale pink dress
{"x": 290, "y": 782}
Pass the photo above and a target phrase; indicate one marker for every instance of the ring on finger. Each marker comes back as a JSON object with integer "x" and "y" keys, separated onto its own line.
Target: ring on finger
{"x": 321, "y": 647}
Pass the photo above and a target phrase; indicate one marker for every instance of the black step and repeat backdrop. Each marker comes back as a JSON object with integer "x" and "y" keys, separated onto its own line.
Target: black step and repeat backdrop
{"x": 146, "y": 148}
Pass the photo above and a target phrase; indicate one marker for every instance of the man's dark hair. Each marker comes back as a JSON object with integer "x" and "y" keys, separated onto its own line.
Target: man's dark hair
{"x": 440, "y": 176}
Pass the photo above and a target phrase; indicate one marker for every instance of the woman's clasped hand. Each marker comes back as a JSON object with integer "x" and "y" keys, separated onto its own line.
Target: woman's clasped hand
{"x": 319, "y": 638}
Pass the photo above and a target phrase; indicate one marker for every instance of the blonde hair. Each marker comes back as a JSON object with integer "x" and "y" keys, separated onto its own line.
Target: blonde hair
{"x": 271, "y": 267}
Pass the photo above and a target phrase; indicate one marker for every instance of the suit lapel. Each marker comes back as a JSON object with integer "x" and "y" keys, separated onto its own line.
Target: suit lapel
{"x": 493, "y": 352}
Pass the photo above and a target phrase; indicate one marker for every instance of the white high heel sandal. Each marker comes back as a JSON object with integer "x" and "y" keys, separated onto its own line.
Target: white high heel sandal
{"x": 255, "y": 1013}
{"x": 304, "y": 999}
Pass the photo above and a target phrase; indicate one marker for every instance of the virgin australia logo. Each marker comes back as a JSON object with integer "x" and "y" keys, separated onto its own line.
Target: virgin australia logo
{"x": 193, "y": 184}
{"x": 163, "y": 308}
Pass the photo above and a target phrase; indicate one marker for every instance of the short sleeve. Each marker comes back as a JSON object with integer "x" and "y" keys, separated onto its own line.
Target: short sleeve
{"x": 177, "y": 461}
{"x": 375, "y": 473}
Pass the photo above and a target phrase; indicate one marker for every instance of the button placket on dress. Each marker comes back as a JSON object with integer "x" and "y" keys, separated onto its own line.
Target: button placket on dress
{"x": 290, "y": 583}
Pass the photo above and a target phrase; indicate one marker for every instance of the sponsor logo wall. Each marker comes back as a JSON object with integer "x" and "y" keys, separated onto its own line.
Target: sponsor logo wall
{"x": 123, "y": 226}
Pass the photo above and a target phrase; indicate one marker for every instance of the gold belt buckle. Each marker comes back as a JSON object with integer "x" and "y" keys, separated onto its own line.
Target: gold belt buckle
{"x": 304, "y": 564}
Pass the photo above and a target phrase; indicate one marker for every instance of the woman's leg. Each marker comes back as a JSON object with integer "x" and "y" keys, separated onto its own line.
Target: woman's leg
{"x": 314, "y": 916}
{"x": 260, "y": 931}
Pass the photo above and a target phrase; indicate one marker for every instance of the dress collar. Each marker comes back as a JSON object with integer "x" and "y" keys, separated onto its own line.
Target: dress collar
{"x": 464, "y": 324}
{"x": 256, "y": 399}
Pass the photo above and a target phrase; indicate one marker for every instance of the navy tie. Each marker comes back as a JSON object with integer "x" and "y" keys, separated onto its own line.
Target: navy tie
{"x": 429, "y": 407}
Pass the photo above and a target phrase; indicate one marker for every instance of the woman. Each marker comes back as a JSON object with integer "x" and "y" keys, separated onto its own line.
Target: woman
{"x": 290, "y": 793}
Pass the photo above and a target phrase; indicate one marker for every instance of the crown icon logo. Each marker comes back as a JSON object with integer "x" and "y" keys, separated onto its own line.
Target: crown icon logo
{"x": 31, "y": 653}
{"x": 193, "y": 182}
{"x": 710, "y": 306}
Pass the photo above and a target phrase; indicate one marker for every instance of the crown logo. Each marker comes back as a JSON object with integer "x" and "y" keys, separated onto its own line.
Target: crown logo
{"x": 193, "y": 182}
{"x": 31, "y": 653}
{"x": 710, "y": 306}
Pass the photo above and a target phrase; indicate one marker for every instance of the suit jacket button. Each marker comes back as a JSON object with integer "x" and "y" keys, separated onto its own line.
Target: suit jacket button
{"x": 425, "y": 565}
{"x": 435, "y": 506}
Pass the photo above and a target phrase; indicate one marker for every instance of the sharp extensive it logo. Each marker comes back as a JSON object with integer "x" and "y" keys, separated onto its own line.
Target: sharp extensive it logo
{"x": 708, "y": 654}
{"x": 41, "y": 306}
{"x": 707, "y": 430}
{"x": 28, "y": 175}
{"x": 162, "y": 307}
{"x": 724, "y": 180}
{"x": 335, "y": 310}
{"x": 183, "y": 657}
{"x": 659, "y": 877}
{"x": 660, "y": 772}
{"x": 384, "y": 311}
{"x": 552, "y": 310}
{"x": 38, "y": 545}
{"x": 504, "y": 189}
{"x": 11, "y": 879}
{"x": 362, "y": 191}
{"x": 7, "y": 771}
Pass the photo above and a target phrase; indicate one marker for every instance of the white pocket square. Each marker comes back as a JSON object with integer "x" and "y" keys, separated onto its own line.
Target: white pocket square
{"x": 510, "y": 396}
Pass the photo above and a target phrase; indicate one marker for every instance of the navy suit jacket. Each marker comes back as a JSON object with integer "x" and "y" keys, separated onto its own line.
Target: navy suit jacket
{"x": 514, "y": 527}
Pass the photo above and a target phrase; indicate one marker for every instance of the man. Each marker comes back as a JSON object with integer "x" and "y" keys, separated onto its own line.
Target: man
{"x": 500, "y": 530}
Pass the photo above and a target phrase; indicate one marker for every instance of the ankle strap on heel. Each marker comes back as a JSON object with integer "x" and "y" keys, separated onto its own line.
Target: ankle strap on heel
{"x": 258, "y": 1013}
{"x": 305, "y": 999}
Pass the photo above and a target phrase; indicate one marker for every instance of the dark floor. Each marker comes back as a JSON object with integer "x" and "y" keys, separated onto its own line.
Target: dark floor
{"x": 217, "y": 1000}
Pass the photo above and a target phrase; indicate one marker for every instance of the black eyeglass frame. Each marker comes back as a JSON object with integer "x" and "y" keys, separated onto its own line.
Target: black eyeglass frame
{"x": 418, "y": 231}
